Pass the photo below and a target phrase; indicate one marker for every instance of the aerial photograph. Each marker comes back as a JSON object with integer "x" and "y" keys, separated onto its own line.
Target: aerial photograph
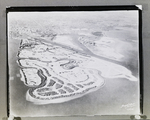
{"x": 63, "y": 63}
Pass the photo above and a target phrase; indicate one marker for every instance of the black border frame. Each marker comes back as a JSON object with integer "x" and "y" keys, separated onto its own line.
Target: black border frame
{"x": 81, "y": 8}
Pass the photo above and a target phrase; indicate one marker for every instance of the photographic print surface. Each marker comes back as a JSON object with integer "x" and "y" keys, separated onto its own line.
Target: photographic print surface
{"x": 73, "y": 63}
